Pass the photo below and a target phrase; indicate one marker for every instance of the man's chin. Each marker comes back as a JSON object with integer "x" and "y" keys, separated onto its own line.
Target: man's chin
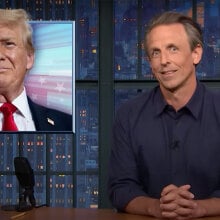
{"x": 172, "y": 87}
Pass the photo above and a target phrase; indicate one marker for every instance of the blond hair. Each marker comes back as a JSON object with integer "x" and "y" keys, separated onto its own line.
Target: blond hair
{"x": 20, "y": 18}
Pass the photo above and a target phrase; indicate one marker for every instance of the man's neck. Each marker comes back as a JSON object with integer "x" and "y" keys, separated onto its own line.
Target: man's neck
{"x": 9, "y": 96}
{"x": 179, "y": 97}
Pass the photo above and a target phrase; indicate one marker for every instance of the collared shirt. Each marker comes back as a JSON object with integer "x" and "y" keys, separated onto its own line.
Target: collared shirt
{"x": 154, "y": 146}
{"x": 22, "y": 115}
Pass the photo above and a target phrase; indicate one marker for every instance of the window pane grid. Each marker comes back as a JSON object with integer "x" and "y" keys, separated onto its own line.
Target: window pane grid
{"x": 63, "y": 169}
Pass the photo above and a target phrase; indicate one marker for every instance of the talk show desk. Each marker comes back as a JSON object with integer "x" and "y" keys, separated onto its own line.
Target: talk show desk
{"x": 47, "y": 213}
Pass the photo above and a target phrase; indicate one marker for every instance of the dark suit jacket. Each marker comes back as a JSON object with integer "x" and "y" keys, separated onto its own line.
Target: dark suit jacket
{"x": 46, "y": 119}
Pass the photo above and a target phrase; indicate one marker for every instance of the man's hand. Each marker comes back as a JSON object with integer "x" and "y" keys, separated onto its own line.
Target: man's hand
{"x": 177, "y": 203}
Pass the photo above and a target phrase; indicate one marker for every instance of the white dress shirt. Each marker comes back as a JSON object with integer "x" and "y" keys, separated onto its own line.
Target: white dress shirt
{"x": 22, "y": 116}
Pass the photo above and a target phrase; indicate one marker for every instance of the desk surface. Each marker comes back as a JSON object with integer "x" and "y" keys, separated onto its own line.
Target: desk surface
{"x": 76, "y": 214}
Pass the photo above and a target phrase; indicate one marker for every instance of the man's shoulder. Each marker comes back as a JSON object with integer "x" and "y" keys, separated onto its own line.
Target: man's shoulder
{"x": 213, "y": 94}
{"x": 48, "y": 118}
{"x": 140, "y": 99}
{"x": 136, "y": 104}
{"x": 42, "y": 109}
{"x": 212, "y": 102}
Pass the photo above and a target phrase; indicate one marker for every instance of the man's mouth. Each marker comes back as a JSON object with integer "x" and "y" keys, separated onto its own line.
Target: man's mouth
{"x": 3, "y": 69}
{"x": 167, "y": 72}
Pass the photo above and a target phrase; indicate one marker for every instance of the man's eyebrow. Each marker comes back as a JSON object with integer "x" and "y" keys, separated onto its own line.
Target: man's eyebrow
{"x": 7, "y": 38}
{"x": 158, "y": 49}
{"x": 153, "y": 49}
{"x": 171, "y": 45}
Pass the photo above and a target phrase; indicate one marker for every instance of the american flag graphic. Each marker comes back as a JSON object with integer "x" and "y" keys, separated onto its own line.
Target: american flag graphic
{"x": 51, "y": 81}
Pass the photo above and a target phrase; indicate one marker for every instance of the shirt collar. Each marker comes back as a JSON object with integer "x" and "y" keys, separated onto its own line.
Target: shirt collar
{"x": 159, "y": 101}
{"x": 194, "y": 104}
{"x": 21, "y": 103}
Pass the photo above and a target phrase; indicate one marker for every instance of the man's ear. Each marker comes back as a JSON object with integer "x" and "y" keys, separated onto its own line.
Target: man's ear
{"x": 30, "y": 60}
{"x": 197, "y": 54}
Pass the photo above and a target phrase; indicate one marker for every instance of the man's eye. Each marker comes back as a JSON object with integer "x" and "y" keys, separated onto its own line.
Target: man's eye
{"x": 9, "y": 44}
{"x": 155, "y": 54}
{"x": 173, "y": 49}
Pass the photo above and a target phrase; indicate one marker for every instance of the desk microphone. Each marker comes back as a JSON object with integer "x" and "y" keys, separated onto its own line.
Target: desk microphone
{"x": 174, "y": 145}
{"x": 25, "y": 176}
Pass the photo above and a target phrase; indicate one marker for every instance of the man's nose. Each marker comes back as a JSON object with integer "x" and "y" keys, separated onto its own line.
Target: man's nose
{"x": 2, "y": 53}
{"x": 164, "y": 58}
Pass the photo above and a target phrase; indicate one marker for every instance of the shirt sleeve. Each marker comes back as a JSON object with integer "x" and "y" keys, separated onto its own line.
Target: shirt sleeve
{"x": 124, "y": 184}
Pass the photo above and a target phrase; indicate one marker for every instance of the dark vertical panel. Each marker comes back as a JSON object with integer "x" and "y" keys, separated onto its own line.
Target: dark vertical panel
{"x": 48, "y": 174}
{"x": 74, "y": 171}
{"x": 194, "y": 10}
{"x": 139, "y": 29}
{"x": 105, "y": 94}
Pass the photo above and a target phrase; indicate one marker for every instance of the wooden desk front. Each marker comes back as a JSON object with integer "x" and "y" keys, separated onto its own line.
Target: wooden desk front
{"x": 45, "y": 213}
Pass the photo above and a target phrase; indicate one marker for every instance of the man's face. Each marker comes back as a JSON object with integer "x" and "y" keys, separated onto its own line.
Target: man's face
{"x": 170, "y": 56}
{"x": 14, "y": 60}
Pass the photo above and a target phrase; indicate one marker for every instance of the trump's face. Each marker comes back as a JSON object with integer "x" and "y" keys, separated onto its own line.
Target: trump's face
{"x": 15, "y": 60}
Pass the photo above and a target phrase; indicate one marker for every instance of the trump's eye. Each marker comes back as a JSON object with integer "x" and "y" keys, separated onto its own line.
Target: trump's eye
{"x": 9, "y": 43}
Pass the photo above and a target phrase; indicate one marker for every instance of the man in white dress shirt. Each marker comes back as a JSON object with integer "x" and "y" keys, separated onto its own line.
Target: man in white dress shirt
{"x": 16, "y": 58}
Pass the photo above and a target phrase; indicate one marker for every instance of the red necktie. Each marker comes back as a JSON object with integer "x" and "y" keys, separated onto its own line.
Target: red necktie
{"x": 8, "y": 122}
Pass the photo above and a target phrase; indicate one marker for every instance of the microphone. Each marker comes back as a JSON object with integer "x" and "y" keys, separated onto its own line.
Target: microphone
{"x": 25, "y": 176}
{"x": 174, "y": 145}
{"x": 24, "y": 172}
